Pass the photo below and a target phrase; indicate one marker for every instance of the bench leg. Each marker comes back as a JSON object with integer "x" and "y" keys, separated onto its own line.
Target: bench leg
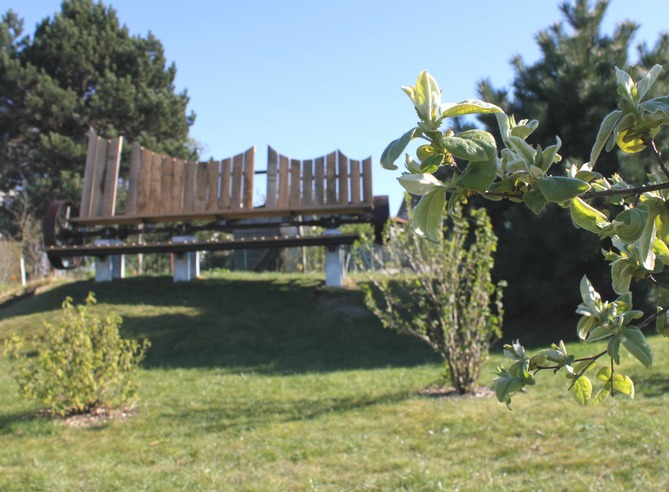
{"x": 334, "y": 262}
{"x": 109, "y": 267}
{"x": 186, "y": 265}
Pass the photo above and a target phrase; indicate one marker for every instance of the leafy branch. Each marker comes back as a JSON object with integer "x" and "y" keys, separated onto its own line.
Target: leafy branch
{"x": 635, "y": 219}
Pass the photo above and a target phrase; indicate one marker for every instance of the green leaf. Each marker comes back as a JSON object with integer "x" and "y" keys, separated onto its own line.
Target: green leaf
{"x": 634, "y": 341}
{"x": 588, "y": 293}
{"x": 420, "y": 184}
{"x": 524, "y": 128}
{"x": 626, "y": 87}
{"x": 607, "y": 126}
{"x": 587, "y": 217}
{"x": 646, "y": 241}
{"x": 598, "y": 333}
{"x": 395, "y": 148}
{"x": 604, "y": 374}
{"x": 468, "y": 106}
{"x": 583, "y": 327}
{"x": 622, "y": 272}
{"x": 471, "y": 145}
{"x": 522, "y": 149}
{"x": 425, "y": 151}
{"x": 478, "y": 175}
{"x": 550, "y": 155}
{"x": 506, "y": 386}
{"x": 535, "y": 201}
{"x": 648, "y": 80}
{"x": 560, "y": 188}
{"x": 582, "y": 390}
{"x": 613, "y": 349}
{"x": 659, "y": 107}
{"x": 602, "y": 394}
{"x": 427, "y": 215}
{"x": 623, "y": 384}
{"x": 632, "y": 223}
{"x": 426, "y": 96}
{"x": 431, "y": 164}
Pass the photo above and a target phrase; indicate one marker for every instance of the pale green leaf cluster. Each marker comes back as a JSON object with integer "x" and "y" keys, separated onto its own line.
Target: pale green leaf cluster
{"x": 635, "y": 122}
{"x": 82, "y": 362}
{"x": 448, "y": 168}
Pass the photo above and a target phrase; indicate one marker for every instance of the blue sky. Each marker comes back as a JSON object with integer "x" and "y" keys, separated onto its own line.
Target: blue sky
{"x": 308, "y": 77}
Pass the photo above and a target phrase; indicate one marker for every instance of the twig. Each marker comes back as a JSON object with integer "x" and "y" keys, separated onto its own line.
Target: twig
{"x": 652, "y": 318}
{"x": 639, "y": 190}
{"x": 650, "y": 143}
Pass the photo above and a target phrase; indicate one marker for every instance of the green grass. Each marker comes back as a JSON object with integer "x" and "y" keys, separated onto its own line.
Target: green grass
{"x": 275, "y": 383}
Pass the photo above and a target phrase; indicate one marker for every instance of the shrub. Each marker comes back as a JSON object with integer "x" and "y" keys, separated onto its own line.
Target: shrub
{"x": 81, "y": 362}
{"x": 441, "y": 292}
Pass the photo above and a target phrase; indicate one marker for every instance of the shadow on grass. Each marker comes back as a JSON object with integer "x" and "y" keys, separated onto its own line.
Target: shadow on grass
{"x": 652, "y": 385}
{"x": 9, "y": 422}
{"x": 241, "y": 417}
{"x": 278, "y": 324}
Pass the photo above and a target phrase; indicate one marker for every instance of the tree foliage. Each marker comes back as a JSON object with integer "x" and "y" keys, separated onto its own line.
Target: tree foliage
{"x": 442, "y": 293}
{"x": 81, "y": 69}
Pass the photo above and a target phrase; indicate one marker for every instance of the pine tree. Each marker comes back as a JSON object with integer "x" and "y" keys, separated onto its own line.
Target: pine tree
{"x": 81, "y": 69}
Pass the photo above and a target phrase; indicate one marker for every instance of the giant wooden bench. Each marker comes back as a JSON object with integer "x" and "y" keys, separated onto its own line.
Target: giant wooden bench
{"x": 174, "y": 199}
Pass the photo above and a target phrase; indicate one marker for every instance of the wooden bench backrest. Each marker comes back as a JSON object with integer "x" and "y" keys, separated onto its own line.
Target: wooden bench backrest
{"x": 163, "y": 185}
{"x": 333, "y": 179}
{"x": 103, "y": 160}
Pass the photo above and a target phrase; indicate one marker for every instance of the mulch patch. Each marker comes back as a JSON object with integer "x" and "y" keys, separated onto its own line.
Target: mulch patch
{"x": 94, "y": 417}
{"x": 450, "y": 392}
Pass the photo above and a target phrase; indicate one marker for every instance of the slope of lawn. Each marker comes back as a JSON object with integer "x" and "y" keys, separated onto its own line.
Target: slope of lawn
{"x": 272, "y": 382}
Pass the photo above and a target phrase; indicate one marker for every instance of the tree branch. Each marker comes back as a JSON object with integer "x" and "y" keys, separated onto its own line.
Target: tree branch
{"x": 638, "y": 190}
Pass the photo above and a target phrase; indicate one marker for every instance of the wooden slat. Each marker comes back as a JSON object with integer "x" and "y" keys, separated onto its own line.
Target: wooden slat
{"x": 355, "y": 181}
{"x": 270, "y": 200}
{"x": 240, "y": 213}
{"x": 249, "y": 172}
{"x": 237, "y": 172}
{"x": 342, "y": 197}
{"x": 189, "y": 186}
{"x": 98, "y": 177}
{"x": 144, "y": 183}
{"x": 201, "y": 186}
{"x": 224, "y": 198}
{"x": 154, "y": 184}
{"x": 178, "y": 179}
{"x": 367, "y": 181}
{"x": 133, "y": 179}
{"x": 89, "y": 171}
{"x": 307, "y": 182}
{"x": 319, "y": 181}
{"x": 331, "y": 179}
{"x": 166, "y": 179}
{"x": 213, "y": 170}
{"x": 282, "y": 200}
{"x": 110, "y": 180}
{"x": 295, "y": 183}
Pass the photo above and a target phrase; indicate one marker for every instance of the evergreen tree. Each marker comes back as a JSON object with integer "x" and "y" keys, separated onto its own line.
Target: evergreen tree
{"x": 81, "y": 69}
{"x": 569, "y": 90}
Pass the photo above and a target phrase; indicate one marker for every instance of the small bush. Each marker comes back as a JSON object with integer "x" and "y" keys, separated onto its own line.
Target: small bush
{"x": 80, "y": 363}
{"x": 442, "y": 293}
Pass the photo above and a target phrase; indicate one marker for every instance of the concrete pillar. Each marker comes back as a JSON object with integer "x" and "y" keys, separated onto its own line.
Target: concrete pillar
{"x": 186, "y": 265}
{"x": 334, "y": 261}
{"x": 109, "y": 267}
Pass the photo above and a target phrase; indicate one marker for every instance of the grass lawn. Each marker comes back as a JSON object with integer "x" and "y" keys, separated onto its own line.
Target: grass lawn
{"x": 272, "y": 383}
